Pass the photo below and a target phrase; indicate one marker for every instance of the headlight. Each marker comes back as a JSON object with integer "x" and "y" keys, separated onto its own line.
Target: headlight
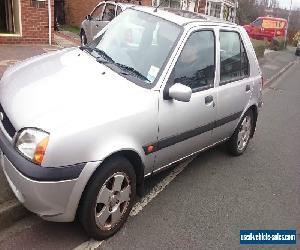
{"x": 32, "y": 144}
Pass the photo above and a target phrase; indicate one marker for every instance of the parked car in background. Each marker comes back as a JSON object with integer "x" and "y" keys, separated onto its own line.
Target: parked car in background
{"x": 265, "y": 28}
{"x": 298, "y": 49}
{"x": 102, "y": 14}
{"x": 82, "y": 128}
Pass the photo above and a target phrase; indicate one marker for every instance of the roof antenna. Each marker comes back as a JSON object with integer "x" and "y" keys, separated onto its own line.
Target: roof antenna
{"x": 155, "y": 10}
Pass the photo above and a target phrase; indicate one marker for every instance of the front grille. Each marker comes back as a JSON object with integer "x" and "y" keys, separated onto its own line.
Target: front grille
{"x": 9, "y": 128}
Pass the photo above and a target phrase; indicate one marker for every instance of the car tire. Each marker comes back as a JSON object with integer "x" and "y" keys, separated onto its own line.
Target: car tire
{"x": 239, "y": 141}
{"x": 83, "y": 38}
{"x": 108, "y": 198}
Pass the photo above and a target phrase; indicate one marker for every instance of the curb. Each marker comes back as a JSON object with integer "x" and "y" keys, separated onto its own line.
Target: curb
{"x": 10, "y": 212}
{"x": 277, "y": 75}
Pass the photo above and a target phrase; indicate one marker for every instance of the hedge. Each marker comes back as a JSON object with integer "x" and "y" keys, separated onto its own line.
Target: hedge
{"x": 259, "y": 47}
{"x": 277, "y": 43}
{"x": 296, "y": 38}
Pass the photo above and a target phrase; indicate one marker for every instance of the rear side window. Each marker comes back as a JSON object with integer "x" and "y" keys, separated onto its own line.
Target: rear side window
{"x": 109, "y": 12}
{"x": 234, "y": 64}
{"x": 119, "y": 10}
{"x": 195, "y": 66}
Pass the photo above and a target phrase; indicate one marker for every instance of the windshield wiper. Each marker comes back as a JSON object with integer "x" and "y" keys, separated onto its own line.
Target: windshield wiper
{"x": 99, "y": 52}
{"x": 132, "y": 71}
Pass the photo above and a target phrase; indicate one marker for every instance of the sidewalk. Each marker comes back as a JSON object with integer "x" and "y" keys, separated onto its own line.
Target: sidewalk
{"x": 274, "y": 61}
{"x": 11, "y": 54}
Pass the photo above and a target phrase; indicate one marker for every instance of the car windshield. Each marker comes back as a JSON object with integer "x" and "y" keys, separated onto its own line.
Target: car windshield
{"x": 135, "y": 44}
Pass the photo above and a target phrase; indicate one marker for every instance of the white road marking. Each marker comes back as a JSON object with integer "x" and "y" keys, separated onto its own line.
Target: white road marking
{"x": 89, "y": 245}
{"x": 138, "y": 207}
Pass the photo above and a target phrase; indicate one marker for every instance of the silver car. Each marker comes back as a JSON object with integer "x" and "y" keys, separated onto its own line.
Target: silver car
{"x": 101, "y": 15}
{"x": 82, "y": 128}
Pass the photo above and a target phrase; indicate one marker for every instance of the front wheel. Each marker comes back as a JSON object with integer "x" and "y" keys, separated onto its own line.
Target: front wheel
{"x": 240, "y": 139}
{"x": 108, "y": 199}
{"x": 83, "y": 38}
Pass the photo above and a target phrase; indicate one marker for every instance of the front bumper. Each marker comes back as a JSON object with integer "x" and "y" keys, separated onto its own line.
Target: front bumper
{"x": 42, "y": 198}
{"x": 52, "y": 193}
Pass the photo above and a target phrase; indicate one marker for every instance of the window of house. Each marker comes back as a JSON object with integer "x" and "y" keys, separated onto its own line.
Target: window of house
{"x": 109, "y": 12}
{"x": 215, "y": 9}
{"x": 10, "y": 17}
{"x": 195, "y": 66}
{"x": 97, "y": 13}
{"x": 234, "y": 63}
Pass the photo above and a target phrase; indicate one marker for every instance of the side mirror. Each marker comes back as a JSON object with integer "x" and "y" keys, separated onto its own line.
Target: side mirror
{"x": 88, "y": 17}
{"x": 180, "y": 92}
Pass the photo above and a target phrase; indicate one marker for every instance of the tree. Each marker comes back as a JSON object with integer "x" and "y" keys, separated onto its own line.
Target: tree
{"x": 248, "y": 11}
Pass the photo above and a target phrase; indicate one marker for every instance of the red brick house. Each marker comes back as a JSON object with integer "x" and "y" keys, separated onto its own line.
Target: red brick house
{"x": 26, "y": 21}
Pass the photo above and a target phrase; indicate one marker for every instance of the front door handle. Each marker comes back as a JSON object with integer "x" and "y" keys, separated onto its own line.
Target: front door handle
{"x": 247, "y": 87}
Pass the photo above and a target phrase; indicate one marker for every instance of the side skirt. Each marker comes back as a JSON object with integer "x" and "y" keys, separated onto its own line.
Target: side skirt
{"x": 184, "y": 158}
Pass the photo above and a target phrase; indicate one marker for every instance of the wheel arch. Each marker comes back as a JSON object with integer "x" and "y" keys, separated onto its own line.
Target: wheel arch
{"x": 254, "y": 110}
{"x": 136, "y": 161}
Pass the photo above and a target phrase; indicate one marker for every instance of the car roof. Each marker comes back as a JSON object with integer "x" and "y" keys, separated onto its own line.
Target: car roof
{"x": 182, "y": 17}
{"x": 272, "y": 18}
{"x": 122, "y": 5}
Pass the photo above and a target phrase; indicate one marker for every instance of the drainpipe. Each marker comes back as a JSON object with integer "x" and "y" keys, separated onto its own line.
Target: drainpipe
{"x": 50, "y": 21}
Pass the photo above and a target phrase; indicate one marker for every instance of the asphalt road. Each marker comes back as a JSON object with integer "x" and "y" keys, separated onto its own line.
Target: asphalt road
{"x": 213, "y": 198}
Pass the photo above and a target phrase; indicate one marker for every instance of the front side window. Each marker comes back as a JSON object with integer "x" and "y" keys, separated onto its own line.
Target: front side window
{"x": 195, "y": 66}
{"x": 109, "y": 12}
{"x": 257, "y": 23}
{"x": 97, "y": 13}
{"x": 136, "y": 45}
{"x": 234, "y": 64}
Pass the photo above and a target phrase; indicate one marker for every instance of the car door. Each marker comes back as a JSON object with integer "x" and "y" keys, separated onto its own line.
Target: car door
{"x": 186, "y": 127}
{"x": 96, "y": 19}
{"x": 235, "y": 83}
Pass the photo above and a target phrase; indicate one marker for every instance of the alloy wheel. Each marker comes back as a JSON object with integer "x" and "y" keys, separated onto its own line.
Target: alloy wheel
{"x": 112, "y": 201}
{"x": 244, "y": 133}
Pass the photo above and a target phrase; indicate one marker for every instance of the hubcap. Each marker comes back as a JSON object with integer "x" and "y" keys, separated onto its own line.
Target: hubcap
{"x": 244, "y": 133}
{"x": 112, "y": 201}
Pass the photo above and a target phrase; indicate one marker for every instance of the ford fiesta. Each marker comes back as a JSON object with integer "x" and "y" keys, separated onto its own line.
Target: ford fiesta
{"x": 82, "y": 128}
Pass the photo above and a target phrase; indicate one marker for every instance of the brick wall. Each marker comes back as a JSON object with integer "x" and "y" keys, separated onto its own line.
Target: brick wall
{"x": 34, "y": 23}
{"x": 76, "y": 10}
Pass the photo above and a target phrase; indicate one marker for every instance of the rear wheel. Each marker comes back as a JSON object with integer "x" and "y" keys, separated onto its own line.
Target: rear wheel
{"x": 240, "y": 139}
{"x": 108, "y": 199}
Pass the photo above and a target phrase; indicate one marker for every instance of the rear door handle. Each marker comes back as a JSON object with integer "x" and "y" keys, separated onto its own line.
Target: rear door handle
{"x": 209, "y": 99}
{"x": 247, "y": 87}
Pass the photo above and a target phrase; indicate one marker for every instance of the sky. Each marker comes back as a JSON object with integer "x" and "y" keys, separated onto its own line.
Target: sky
{"x": 286, "y": 4}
